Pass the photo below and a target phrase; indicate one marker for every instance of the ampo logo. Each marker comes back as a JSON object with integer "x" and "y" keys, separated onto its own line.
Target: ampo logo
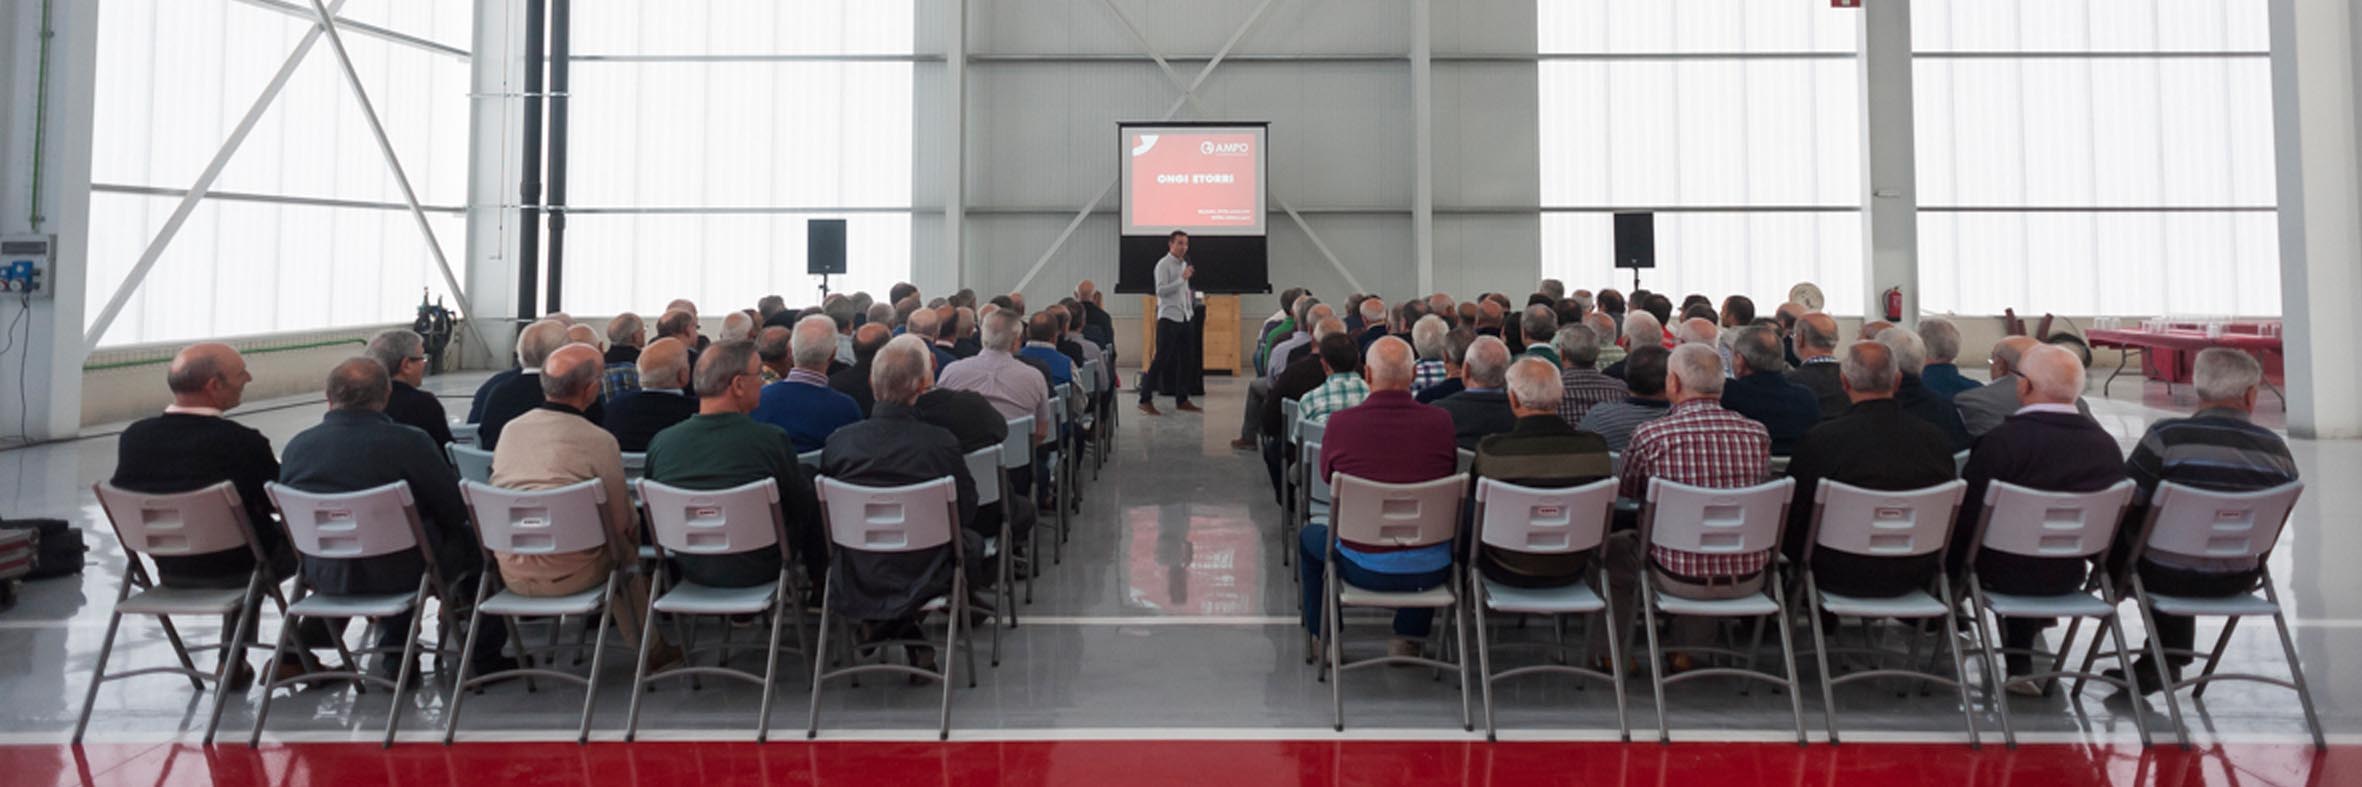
{"x": 1212, "y": 148}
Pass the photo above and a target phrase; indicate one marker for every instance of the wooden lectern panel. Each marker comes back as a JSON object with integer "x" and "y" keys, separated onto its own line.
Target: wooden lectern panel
{"x": 1221, "y": 343}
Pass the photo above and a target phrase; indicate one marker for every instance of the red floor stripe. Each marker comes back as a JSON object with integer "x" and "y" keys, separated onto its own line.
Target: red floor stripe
{"x": 1147, "y": 763}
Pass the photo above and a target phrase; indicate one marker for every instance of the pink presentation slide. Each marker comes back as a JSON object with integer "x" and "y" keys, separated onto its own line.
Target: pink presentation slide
{"x": 1193, "y": 181}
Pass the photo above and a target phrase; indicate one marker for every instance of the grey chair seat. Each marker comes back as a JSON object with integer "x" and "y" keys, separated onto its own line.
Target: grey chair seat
{"x": 1752, "y": 605}
{"x": 322, "y": 605}
{"x": 2069, "y": 605}
{"x": 509, "y": 603}
{"x": 689, "y": 598}
{"x": 1916, "y": 604}
{"x": 1435, "y": 597}
{"x": 1574, "y": 598}
{"x": 2242, "y": 604}
{"x": 183, "y": 601}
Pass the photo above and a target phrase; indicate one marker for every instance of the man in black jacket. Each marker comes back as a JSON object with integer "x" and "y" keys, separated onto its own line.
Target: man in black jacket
{"x": 356, "y": 447}
{"x": 1915, "y": 397}
{"x": 853, "y": 380}
{"x": 1482, "y": 409}
{"x": 403, "y": 354}
{"x": 1097, "y": 325}
{"x": 518, "y": 395}
{"x": 1760, "y": 391}
{"x": 1816, "y": 346}
{"x": 663, "y": 399}
{"x": 1873, "y": 445}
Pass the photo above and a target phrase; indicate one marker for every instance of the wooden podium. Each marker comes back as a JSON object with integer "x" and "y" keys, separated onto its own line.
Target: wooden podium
{"x": 1220, "y": 340}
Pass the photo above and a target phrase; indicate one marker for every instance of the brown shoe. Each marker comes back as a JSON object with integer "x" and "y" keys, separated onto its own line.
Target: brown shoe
{"x": 1187, "y": 408}
{"x": 1242, "y": 445}
{"x": 1149, "y": 408}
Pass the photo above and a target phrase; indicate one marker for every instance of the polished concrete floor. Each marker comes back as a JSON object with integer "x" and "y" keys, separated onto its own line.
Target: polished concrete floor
{"x": 1169, "y": 617}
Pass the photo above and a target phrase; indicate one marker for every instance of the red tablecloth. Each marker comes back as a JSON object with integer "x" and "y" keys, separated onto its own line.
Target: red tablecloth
{"x": 2168, "y": 355}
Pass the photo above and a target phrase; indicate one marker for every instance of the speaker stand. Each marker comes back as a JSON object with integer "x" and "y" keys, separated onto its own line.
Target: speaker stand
{"x": 824, "y": 287}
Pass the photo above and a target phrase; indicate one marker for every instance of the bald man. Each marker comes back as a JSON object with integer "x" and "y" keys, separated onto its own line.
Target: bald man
{"x": 663, "y": 399}
{"x": 1097, "y": 325}
{"x": 518, "y": 395}
{"x": 853, "y": 380}
{"x": 1815, "y": 339}
{"x": 2048, "y": 446}
{"x": 1984, "y": 407}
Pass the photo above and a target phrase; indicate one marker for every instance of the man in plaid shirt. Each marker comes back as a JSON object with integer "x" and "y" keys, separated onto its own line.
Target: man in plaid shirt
{"x": 1584, "y": 385}
{"x": 1699, "y": 444}
{"x": 1428, "y": 337}
{"x": 1340, "y": 356}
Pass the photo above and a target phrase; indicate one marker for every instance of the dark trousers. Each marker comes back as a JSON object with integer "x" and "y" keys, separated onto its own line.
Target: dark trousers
{"x": 2180, "y": 632}
{"x": 1164, "y": 372}
{"x": 2030, "y": 576}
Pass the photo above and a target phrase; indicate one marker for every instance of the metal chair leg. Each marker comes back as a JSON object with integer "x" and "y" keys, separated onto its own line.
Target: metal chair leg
{"x": 1812, "y": 614}
{"x": 180, "y": 650}
{"x": 1995, "y": 691}
{"x": 98, "y": 673}
{"x": 590, "y": 693}
{"x": 2296, "y": 671}
{"x": 631, "y": 726}
{"x": 1656, "y": 654}
{"x": 1788, "y": 658}
{"x": 409, "y": 665}
{"x": 1615, "y": 654}
{"x": 779, "y": 602}
{"x": 951, "y": 638}
{"x": 2173, "y": 705}
{"x": 1484, "y": 655}
{"x": 2214, "y": 659}
{"x": 819, "y": 667}
{"x": 2140, "y": 710}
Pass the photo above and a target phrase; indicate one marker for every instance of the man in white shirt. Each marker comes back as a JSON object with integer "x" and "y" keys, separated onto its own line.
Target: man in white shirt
{"x": 1174, "y": 305}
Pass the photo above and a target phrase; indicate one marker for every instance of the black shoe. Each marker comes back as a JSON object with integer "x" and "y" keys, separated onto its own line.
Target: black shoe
{"x": 2150, "y": 681}
{"x": 388, "y": 665}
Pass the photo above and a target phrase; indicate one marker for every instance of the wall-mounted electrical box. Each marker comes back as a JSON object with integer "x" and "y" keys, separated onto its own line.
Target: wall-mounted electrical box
{"x": 25, "y": 263}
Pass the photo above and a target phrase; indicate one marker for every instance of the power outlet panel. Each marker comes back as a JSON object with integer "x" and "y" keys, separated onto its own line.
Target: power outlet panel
{"x": 25, "y": 265}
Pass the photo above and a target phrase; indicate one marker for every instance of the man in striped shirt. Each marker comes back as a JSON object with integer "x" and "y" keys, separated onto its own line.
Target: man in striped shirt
{"x": 1583, "y": 385}
{"x": 1340, "y": 356}
{"x": 1644, "y": 371}
{"x": 2218, "y": 448}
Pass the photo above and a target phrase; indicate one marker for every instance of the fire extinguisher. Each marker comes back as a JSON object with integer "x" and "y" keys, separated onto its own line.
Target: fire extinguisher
{"x": 1894, "y": 304}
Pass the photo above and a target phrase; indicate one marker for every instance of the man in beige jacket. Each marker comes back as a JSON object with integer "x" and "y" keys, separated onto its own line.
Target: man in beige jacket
{"x": 554, "y": 445}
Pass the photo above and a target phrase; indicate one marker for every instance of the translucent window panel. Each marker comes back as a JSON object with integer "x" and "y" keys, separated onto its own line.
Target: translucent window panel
{"x": 794, "y": 134}
{"x": 1759, "y": 255}
{"x": 446, "y": 22}
{"x": 743, "y": 27}
{"x": 1686, "y": 26}
{"x": 167, "y": 99}
{"x": 638, "y": 262}
{"x": 246, "y": 268}
{"x": 1700, "y": 133}
{"x": 2100, "y": 263}
{"x": 2090, "y": 25}
{"x": 2171, "y": 132}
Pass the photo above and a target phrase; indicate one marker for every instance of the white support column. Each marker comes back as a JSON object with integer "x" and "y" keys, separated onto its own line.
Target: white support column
{"x": 952, "y": 272}
{"x": 1423, "y": 143}
{"x": 1890, "y": 182}
{"x": 48, "y": 352}
{"x": 495, "y": 142}
{"x": 2318, "y": 148}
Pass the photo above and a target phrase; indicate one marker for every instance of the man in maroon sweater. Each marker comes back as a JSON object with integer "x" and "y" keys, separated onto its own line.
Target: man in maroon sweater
{"x": 1390, "y": 438}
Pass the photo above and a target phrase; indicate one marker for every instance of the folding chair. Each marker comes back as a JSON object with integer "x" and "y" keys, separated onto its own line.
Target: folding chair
{"x": 1778, "y": 466}
{"x": 1959, "y": 461}
{"x": 896, "y": 520}
{"x": 1289, "y": 514}
{"x": 1721, "y": 522}
{"x": 1086, "y": 416}
{"x": 558, "y": 521}
{"x": 463, "y": 433}
{"x": 1049, "y": 477}
{"x": 2065, "y": 525}
{"x": 635, "y": 465}
{"x": 984, "y": 465}
{"x": 1467, "y": 460}
{"x": 197, "y": 522}
{"x": 474, "y": 464}
{"x": 1893, "y": 525}
{"x": 1016, "y": 452}
{"x": 1402, "y": 516}
{"x": 347, "y": 526}
{"x": 1312, "y": 491}
{"x": 1533, "y": 521}
{"x": 2204, "y": 524}
{"x": 717, "y": 522}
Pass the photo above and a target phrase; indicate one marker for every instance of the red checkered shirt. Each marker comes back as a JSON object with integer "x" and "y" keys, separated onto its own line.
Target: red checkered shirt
{"x": 1699, "y": 444}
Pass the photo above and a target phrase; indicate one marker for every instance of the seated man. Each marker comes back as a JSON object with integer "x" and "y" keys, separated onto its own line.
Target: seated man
{"x": 1644, "y": 371}
{"x": 1428, "y": 339}
{"x": 1300, "y": 345}
{"x": 895, "y": 448}
{"x": 1294, "y": 382}
{"x": 721, "y": 448}
{"x": 556, "y": 446}
{"x": 970, "y": 418}
{"x": 1641, "y": 329}
{"x": 802, "y": 404}
{"x": 1543, "y": 452}
{"x": 356, "y": 447}
{"x": 1914, "y": 397}
{"x": 1539, "y": 326}
{"x": 2218, "y": 448}
{"x": 853, "y": 380}
{"x": 1581, "y": 385}
{"x": 662, "y": 400}
{"x": 1816, "y": 343}
{"x": 1455, "y": 371}
{"x": 2045, "y": 446}
{"x": 1761, "y": 391}
{"x": 928, "y": 324}
{"x": 1697, "y": 443}
{"x": 192, "y": 446}
{"x": 1482, "y": 409}
{"x": 1388, "y": 438}
{"x": 404, "y": 355}
{"x": 1984, "y": 407}
{"x": 1344, "y": 385}
{"x": 1874, "y": 445}
{"x": 1041, "y": 344}
{"x": 518, "y": 395}
{"x": 1941, "y": 375}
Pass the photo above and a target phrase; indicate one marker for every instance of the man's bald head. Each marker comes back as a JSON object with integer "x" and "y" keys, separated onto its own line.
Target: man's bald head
{"x": 1871, "y": 329}
{"x": 570, "y": 376}
{"x": 537, "y": 341}
{"x": 1086, "y": 291}
{"x": 1699, "y": 330}
{"x": 1816, "y": 334}
{"x": 664, "y": 363}
{"x": 1487, "y": 362}
{"x": 924, "y": 323}
{"x": 2052, "y": 375}
{"x": 210, "y": 374}
{"x": 2008, "y": 351}
{"x": 868, "y": 339}
{"x": 359, "y": 384}
{"x": 579, "y": 333}
{"x": 1326, "y": 328}
{"x": 1390, "y": 365}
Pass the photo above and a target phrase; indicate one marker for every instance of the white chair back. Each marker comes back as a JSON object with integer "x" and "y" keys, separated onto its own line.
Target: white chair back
{"x": 1959, "y": 461}
{"x": 464, "y": 433}
{"x": 713, "y": 521}
{"x": 474, "y": 464}
{"x": 1017, "y": 450}
{"x": 1906, "y": 523}
{"x": 2034, "y": 523}
{"x": 984, "y": 464}
{"x": 556, "y": 521}
{"x": 2199, "y": 523}
{"x": 347, "y": 525}
{"x": 1287, "y": 417}
{"x": 1716, "y": 521}
{"x": 178, "y": 524}
{"x": 889, "y": 519}
{"x": 1398, "y": 515}
{"x": 1309, "y": 458}
{"x": 635, "y": 464}
{"x": 1540, "y": 521}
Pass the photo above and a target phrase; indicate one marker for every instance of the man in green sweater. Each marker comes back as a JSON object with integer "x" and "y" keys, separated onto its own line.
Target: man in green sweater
{"x": 720, "y": 448}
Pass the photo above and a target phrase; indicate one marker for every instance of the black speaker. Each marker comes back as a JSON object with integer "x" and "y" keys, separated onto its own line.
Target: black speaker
{"x": 1636, "y": 240}
{"x": 824, "y": 247}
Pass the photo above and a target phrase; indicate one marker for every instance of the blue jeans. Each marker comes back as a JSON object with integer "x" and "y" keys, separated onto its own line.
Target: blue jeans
{"x": 1412, "y": 623}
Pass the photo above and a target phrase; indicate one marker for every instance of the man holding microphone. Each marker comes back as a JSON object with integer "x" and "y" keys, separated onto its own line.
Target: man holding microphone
{"x": 1174, "y": 306}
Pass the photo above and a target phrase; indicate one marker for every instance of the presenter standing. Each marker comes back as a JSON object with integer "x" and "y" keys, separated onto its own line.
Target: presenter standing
{"x": 1174, "y": 304}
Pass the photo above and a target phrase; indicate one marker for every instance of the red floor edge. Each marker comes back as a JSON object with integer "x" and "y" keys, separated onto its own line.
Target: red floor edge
{"x": 1224, "y": 763}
